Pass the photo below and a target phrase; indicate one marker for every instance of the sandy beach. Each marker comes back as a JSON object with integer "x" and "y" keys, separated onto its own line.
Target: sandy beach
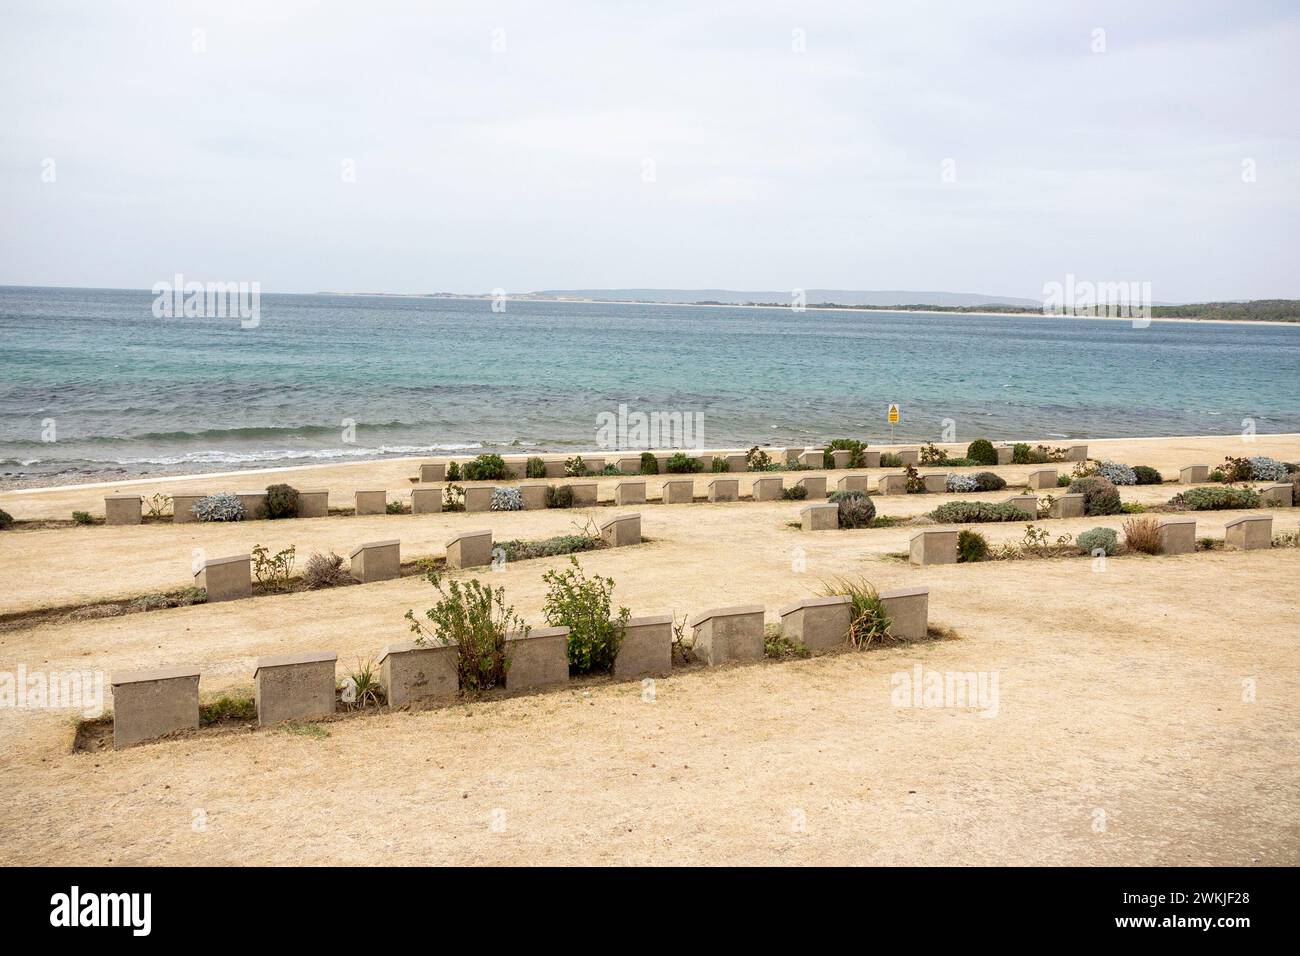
{"x": 1121, "y": 699}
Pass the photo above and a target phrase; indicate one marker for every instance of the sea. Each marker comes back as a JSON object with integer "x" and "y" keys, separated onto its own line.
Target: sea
{"x": 95, "y": 385}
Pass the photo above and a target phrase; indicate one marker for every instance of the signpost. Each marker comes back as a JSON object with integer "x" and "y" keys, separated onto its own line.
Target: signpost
{"x": 894, "y": 417}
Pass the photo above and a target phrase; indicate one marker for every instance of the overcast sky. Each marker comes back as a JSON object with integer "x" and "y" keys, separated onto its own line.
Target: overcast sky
{"x": 550, "y": 145}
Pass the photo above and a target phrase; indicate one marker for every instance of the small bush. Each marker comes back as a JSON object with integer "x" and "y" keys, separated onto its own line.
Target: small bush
{"x": 856, "y": 510}
{"x": 649, "y": 463}
{"x": 721, "y": 464}
{"x": 971, "y": 546}
{"x": 477, "y": 620}
{"x": 1142, "y": 534}
{"x": 226, "y": 708}
{"x": 582, "y": 604}
{"x": 453, "y": 471}
{"x": 535, "y": 468}
{"x": 281, "y": 502}
{"x": 273, "y": 570}
{"x": 453, "y": 498}
{"x": 1263, "y": 468}
{"x": 559, "y": 496}
{"x": 361, "y": 687}
{"x": 961, "y": 483}
{"x": 6, "y": 520}
{"x": 758, "y": 460}
{"x": 1131, "y": 508}
{"x": 1100, "y": 497}
{"x": 1214, "y": 499}
{"x": 856, "y": 460}
{"x": 1063, "y": 481}
{"x": 889, "y": 459}
{"x": 1146, "y": 475}
{"x": 777, "y": 646}
{"x": 220, "y": 507}
{"x": 1104, "y": 540}
{"x": 683, "y": 464}
{"x": 515, "y": 550}
{"x": 486, "y": 468}
{"x": 324, "y": 571}
{"x": 575, "y": 467}
{"x": 1116, "y": 473}
{"x": 396, "y": 508}
{"x": 988, "y": 481}
{"x": 868, "y": 623}
{"x": 794, "y": 493}
{"x": 507, "y": 499}
{"x": 970, "y": 512}
{"x": 982, "y": 452}
{"x": 931, "y": 454}
{"x": 82, "y": 517}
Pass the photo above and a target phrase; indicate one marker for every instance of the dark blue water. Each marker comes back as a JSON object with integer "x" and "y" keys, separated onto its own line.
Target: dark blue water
{"x": 127, "y": 391}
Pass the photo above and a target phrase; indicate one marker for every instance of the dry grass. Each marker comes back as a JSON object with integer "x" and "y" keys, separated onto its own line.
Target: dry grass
{"x": 1142, "y": 534}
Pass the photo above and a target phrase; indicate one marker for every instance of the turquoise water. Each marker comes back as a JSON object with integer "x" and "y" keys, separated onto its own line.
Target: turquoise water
{"x": 133, "y": 394}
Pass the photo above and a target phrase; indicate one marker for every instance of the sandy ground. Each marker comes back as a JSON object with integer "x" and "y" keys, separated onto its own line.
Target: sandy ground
{"x": 1122, "y": 734}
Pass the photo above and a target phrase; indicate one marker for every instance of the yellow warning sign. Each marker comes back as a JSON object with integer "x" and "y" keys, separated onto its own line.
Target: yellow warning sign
{"x": 893, "y": 414}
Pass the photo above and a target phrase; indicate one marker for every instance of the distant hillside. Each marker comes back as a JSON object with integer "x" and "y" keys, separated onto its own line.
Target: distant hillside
{"x": 838, "y": 296}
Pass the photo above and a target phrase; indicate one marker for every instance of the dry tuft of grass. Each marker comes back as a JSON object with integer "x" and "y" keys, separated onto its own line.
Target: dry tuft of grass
{"x": 1142, "y": 534}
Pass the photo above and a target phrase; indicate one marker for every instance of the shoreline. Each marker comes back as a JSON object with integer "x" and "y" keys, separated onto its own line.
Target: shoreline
{"x": 15, "y": 487}
{"x": 784, "y": 308}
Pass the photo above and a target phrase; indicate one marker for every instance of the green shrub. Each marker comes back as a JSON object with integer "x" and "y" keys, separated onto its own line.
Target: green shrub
{"x": 758, "y": 460}
{"x": 273, "y": 570}
{"x": 453, "y": 471}
{"x": 477, "y": 620}
{"x": 1020, "y": 453}
{"x": 649, "y": 463}
{"x": 721, "y": 464}
{"x": 559, "y": 496}
{"x": 1147, "y": 476}
{"x": 856, "y": 510}
{"x": 868, "y": 623}
{"x": 535, "y": 468}
{"x": 795, "y": 493}
{"x": 982, "y": 452}
{"x": 226, "y": 708}
{"x": 6, "y": 520}
{"x": 453, "y": 498}
{"x": 1216, "y": 475}
{"x": 1131, "y": 508}
{"x": 683, "y": 464}
{"x": 1100, "y": 497}
{"x": 582, "y": 604}
{"x": 1214, "y": 499}
{"x": 988, "y": 481}
{"x": 486, "y": 468}
{"x": 281, "y": 502}
{"x": 396, "y": 508}
{"x": 1099, "y": 539}
{"x": 82, "y": 517}
{"x": 1063, "y": 481}
{"x": 889, "y": 459}
{"x": 972, "y": 546}
{"x": 856, "y": 460}
{"x": 516, "y": 550}
{"x": 970, "y": 512}
{"x": 575, "y": 467}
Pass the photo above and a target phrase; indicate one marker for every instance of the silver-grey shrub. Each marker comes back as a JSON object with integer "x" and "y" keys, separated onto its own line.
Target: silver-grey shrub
{"x": 1103, "y": 539}
{"x": 1263, "y": 468}
{"x": 959, "y": 483}
{"x": 1117, "y": 472}
{"x": 219, "y": 507}
{"x": 507, "y": 499}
